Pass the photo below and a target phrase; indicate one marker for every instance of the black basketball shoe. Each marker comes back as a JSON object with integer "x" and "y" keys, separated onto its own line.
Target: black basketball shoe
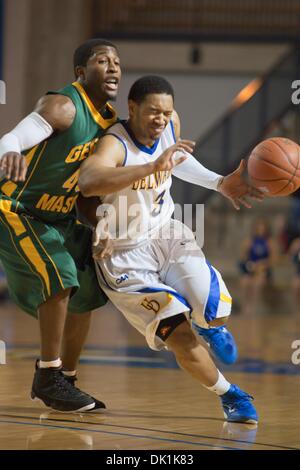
{"x": 51, "y": 387}
{"x": 98, "y": 404}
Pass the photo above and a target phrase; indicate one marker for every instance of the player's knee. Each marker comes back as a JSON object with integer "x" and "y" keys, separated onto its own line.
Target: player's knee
{"x": 62, "y": 296}
{"x": 182, "y": 341}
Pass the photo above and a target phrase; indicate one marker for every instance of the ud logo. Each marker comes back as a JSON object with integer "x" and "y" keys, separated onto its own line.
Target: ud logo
{"x": 151, "y": 305}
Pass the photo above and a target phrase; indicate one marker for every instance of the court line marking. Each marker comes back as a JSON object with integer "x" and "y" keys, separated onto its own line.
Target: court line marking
{"x": 154, "y": 430}
{"x": 26, "y": 423}
{"x": 140, "y": 357}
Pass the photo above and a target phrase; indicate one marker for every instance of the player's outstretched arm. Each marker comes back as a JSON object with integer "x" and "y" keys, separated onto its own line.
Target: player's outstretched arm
{"x": 232, "y": 186}
{"x": 53, "y": 113}
{"x": 103, "y": 172}
{"x": 191, "y": 170}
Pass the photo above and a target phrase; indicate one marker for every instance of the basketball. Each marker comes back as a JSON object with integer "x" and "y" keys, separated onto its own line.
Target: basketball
{"x": 274, "y": 166}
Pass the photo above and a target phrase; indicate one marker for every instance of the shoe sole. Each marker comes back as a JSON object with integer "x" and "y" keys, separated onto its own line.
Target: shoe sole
{"x": 249, "y": 421}
{"x": 83, "y": 408}
{"x": 95, "y": 410}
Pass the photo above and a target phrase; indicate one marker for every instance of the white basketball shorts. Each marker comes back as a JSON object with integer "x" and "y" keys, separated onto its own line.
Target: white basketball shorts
{"x": 162, "y": 278}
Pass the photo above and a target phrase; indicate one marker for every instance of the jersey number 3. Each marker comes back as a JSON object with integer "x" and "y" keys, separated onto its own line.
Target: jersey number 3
{"x": 158, "y": 203}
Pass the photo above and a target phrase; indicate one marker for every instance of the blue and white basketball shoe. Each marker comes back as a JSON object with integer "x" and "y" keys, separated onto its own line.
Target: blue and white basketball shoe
{"x": 221, "y": 342}
{"x": 237, "y": 406}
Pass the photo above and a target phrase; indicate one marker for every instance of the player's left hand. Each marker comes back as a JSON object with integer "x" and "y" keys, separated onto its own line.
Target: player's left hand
{"x": 235, "y": 188}
{"x": 102, "y": 244}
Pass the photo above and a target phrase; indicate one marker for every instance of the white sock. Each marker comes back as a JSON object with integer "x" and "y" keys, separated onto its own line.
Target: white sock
{"x": 47, "y": 364}
{"x": 69, "y": 373}
{"x": 221, "y": 386}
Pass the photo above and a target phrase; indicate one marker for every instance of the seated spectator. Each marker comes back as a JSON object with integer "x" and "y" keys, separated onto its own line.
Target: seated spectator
{"x": 256, "y": 261}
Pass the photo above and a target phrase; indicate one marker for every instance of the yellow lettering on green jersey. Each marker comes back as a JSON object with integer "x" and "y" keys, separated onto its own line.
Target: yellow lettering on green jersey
{"x": 58, "y": 205}
{"x": 80, "y": 152}
{"x": 72, "y": 182}
{"x": 85, "y": 151}
{"x": 74, "y": 154}
{"x": 69, "y": 204}
{"x": 46, "y": 201}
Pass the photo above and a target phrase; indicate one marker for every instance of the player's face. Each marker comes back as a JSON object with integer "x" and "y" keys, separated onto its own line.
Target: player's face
{"x": 151, "y": 116}
{"x": 102, "y": 73}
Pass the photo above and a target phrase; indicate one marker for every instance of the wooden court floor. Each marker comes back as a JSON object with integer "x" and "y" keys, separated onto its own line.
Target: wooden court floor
{"x": 151, "y": 404}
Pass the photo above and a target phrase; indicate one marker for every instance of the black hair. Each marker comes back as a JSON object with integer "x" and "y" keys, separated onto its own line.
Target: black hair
{"x": 147, "y": 85}
{"x": 85, "y": 50}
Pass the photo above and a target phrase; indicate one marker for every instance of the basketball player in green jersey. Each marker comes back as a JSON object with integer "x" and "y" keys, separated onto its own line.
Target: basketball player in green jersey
{"x": 44, "y": 251}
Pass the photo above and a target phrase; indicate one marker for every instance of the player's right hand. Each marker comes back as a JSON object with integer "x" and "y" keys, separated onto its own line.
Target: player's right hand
{"x": 13, "y": 166}
{"x": 167, "y": 162}
{"x": 237, "y": 190}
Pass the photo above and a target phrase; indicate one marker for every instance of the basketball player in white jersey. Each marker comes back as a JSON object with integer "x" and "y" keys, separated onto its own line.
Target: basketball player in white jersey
{"x": 157, "y": 276}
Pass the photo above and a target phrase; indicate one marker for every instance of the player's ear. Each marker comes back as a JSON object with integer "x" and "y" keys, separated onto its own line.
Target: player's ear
{"x": 80, "y": 72}
{"x": 131, "y": 107}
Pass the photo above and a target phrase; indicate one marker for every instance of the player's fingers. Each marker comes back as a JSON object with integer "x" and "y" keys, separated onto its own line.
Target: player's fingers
{"x": 95, "y": 238}
{"x": 179, "y": 160}
{"x": 187, "y": 141}
{"x": 22, "y": 169}
{"x": 256, "y": 193}
{"x": 243, "y": 201}
{"x": 105, "y": 253}
{"x": 105, "y": 249}
{"x": 235, "y": 203}
{"x": 188, "y": 146}
{"x": 97, "y": 253}
{"x": 257, "y": 198}
{"x": 15, "y": 167}
{"x": 9, "y": 166}
{"x": 3, "y": 163}
{"x": 96, "y": 256}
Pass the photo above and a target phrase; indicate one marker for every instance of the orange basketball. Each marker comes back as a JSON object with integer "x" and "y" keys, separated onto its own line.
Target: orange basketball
{"x": 274, "y": 166}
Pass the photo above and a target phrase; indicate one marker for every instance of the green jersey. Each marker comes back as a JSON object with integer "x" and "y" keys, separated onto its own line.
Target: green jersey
{"x": 50, "y": 189}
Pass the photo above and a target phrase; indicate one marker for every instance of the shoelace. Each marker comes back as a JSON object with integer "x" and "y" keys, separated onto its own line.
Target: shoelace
{"x": 243, "y": 398}
{"x": 71, "y": 379}
{"x": 63, "y": 384}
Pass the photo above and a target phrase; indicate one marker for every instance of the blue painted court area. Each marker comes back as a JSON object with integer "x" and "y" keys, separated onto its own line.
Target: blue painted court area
{"x": 145, "y": 357}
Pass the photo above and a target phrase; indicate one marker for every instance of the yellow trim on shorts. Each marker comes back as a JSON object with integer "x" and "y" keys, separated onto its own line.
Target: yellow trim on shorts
{"x": 8, "y": 188}
{"x": 33, "y": 169}
{"x": 12, "y": 218}
{"x": 47, "y": 254}
{"x": 24, "y": 259}
{"x": 225, "y": 298}
{"x": 104, "y": 123}
{"x": 34, "y": 256}
{"x": 29, "y": 156}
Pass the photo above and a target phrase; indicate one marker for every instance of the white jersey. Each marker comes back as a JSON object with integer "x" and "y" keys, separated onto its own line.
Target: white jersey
{"x": 140, "y": 210}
